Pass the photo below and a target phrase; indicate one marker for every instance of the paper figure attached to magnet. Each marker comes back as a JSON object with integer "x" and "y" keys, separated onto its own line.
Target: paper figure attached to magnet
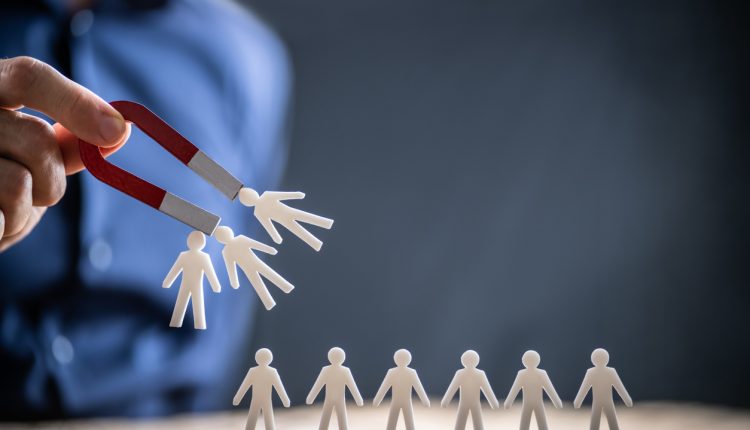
{"x": 238, "y": 251}
{"x": 269, "y": 209}
{"x": 534, "y": 382}
{"x": 193, "y": 264}
{"x": 263, "y": 379}
{"x": 600, "y": 379}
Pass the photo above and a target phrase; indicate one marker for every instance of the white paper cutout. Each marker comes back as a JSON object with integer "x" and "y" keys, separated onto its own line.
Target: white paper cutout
{"x": 401, "y": 380}
{"x": 472, "y": 382}
{"x": 263, "y": 379}
{"x": 600, "y": 379}
{"x": 269, "y": 209}
{"x": 238, "y": 251}
{"x": 192, "y": 264}
{"x": 534, "y": 382}
{"x": 336, "y": 378}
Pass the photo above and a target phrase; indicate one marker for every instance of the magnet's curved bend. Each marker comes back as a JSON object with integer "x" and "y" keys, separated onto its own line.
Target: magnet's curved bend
{"x": 150, "y": 194}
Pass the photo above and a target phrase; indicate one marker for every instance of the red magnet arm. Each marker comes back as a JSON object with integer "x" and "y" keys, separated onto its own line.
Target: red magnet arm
{"x": 150, "y": 194}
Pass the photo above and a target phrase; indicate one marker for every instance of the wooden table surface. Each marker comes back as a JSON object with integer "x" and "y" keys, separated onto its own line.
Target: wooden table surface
{"x": 646, "y": 416}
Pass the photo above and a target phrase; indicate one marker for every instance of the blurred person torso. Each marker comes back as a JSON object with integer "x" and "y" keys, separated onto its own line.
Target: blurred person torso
{"x": 83, "y": 318}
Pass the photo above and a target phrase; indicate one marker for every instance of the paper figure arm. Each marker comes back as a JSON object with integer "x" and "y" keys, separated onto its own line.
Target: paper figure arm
{"x": 270, "y": 229}
{"x": 384, "y": 387}
{"x": 280, "y": 390}
{"x": 231, "y": 265}
{"x": 315, "y": 389}
{"x": 173, "y": 272}
{"x": 487, "y": 390}
{"x": 284, "y": 195}
{"x": 620, "y": 388}
{"x": 550, "y": 389}
{"x": 254, "y": 244}
{"x": 208, "y": 269}
{"x": 417, "y": 384}
{"x": 452, "y": 388}
{"x": 353, "y": 388}
{"x": 246, "y": 383}
{"x": 513, "y": 392}
{"x": 585, "y": 387}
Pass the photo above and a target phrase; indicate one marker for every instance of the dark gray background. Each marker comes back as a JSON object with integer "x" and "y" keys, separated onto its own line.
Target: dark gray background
{"x": 508, "y": 175}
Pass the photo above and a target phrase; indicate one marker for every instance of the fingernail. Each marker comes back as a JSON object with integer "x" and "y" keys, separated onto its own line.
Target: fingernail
{"x": 111, "y": 128}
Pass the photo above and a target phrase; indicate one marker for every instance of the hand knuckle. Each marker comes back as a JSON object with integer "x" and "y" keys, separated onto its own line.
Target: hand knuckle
{"x": 54, "y": 183}
{"x": 18, "y": 187}
{"x": 38, "y": 131}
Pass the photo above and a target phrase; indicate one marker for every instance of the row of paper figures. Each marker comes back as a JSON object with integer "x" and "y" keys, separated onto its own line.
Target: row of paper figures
{"x": 402, "y": 380}
{"x": 238, "y": 251}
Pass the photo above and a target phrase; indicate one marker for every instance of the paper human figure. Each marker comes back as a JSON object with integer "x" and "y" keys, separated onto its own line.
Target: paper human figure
{"x": 336, "y": 378}
{"x": 238, "y": 251}
{"x": 269, "y": 209}
{"x": 600, "y": 379}
{"x": 264, "y": 379}
{"x": 533, "y": 382}
{"x": 472, "y": 382}
{"x": 193, "y": 264}
{"x": 401, "y": 380}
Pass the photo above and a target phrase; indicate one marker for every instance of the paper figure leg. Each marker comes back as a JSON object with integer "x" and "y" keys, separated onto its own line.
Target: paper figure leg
{"x": 476, "y": 417}
{"x": 261, "y": 290}
{"x": 392, "y": 417}
{"x": 609, "y": 412}
{"x": 252, "y": 417}
{"x": 313, "y": 219}
{"x": 325, "y": 419}
{"x": 596, "y": 416}
{"x": 275, "y": 278}
{"x": 199, "y": 311}
{"x": 341, "y": 415}
{"x": 268, "y": 417}
{"x": 304, "y": 235}
{"x": 180, "y": 307}
{"x": 408, "y": 417}
{"x": 463, "y": 415}
{"x": 541, "y": 418}
{"x": 525, "y": 418}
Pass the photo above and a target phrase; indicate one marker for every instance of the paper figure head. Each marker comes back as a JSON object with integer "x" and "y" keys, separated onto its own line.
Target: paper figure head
{"x": 264, "y": 357}
{"x": 402, "y": 357}
{"x": 470, "y": 359}
{"x": 600, "y": 357}
{"x": 223, "y": 234}
{"x": 336, "y": 356}
{"x": 196, "y": 240}
{"x": 531, "y": 359}
{"x": 248, "y": 196}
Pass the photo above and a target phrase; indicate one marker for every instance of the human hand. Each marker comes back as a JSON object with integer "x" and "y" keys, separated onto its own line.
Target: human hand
{"x": 235, "y": 401}
{"x": 34, "y": 156}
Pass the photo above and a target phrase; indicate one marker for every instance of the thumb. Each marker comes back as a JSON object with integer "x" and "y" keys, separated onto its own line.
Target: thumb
{"x": 69, "y": 148}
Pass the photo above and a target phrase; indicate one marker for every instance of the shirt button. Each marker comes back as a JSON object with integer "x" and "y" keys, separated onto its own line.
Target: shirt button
{"x": 100, "y": 255}
{"x": 62, "y": 350}
{"x": 81, "y": 22}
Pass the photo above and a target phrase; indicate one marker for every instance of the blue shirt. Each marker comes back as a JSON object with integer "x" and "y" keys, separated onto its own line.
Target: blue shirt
{"x": 83, "y": 318}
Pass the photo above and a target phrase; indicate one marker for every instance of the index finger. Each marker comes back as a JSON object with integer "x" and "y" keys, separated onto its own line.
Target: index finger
{"x": 25, "y": 81}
